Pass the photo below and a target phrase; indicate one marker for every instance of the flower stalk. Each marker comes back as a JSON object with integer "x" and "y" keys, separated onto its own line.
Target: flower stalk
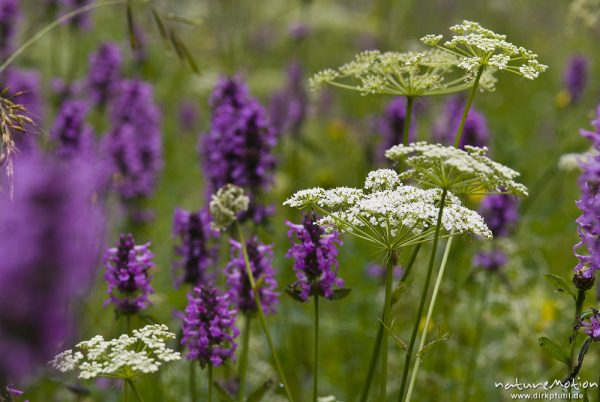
{"x": 407, "y": 118}
{"x": 244, "y": 356}
{"x": 387, "y": 308}
{"x": 468, "y": 105}
{"x": 316, "y": 350}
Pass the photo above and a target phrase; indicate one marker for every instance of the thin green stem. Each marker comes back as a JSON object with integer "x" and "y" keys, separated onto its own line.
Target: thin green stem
{"x": 387, "y": 310}
{"x": 125, "y": 391}
{"x": 193, "y": 381}
{"x": 598, "y": 382}
{"x": 244, "y": 356}
{"x": 430, "y": 310}
{"x": 377, "y": 345}
{"x": 472, "y": 362}
{"x": 210, "y": 382}
{"x": 40, "y": 34}
{"x": 316, "y": 351}
{"x": 579, "y": 300}
{"x": 138, "y": 397}
{"x": 468, "y": 106}
{"x": 261, "y": 315}
{"x": 415, "y": 330}
{"x": 407, "y": 118}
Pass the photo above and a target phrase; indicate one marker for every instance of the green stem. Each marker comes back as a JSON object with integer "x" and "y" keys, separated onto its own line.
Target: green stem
{"x": 377, "y": 344}
{"x": 193, "y": 380}
{"x": 244, "y": 357}
{"x": 387, "y": 309}
{"x": 472, "y": 362}
{"x": 407, "y": 118}
{"x": 125, "y": 391}
{"x": 598, "y": 382}
{"x": 316, "y": 350}
{"x": 579, "y": 300}
{"x": 261, "y": 315}
{"x": 135, "y": 390}
{"x": 40, "y": 34}
{"x": 415, "y": 329}
{"x": 434, "y": 295}
{"x": 210, "y": 382}
{"x": 468, "y": 106}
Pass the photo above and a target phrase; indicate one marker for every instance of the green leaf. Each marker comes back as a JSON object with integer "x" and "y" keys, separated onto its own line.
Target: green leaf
{"x": 441, "y": 338}
{"x": 560, "y": 284}
{"x": 223, "y": 392}
{"x": 293, "y": 293}
{"x": 403, "y": 345}
{"x": 260, "y": 392}
{"x": 555, "y": 350}
{"x": 160, "y": 25}
{"x": 339, "y": 294}
{"x": 130, "y": 27}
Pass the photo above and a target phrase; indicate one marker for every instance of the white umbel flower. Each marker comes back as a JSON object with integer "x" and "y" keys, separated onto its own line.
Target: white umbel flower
{"x": 479, "y": 48}
{"x": 464, "y": 172}
{"x": 124, "y": 357}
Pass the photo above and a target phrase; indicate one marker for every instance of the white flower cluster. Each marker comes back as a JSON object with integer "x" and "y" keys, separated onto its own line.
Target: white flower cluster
{"x": 586, "y": 12}
{"x": 408, "y": 74}
{"x": 462, "y": 172}
{"x": 124, "y": 357}
{"x": 573, "y": 161}
{"x": 477, "y": 47}
{"x": 226, "y": 204}
{"x": 387, "y": 212}
{"x": 329, "y": 398}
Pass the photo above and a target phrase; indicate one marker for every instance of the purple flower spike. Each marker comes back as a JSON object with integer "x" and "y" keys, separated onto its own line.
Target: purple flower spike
{"x": 589, "y": 204}
{"x": 261, "y": 263}
{"x": 127, "y": 275}
{"x": 289, "y": 106}
{"x": 475, "y": 132}
{"x": 9, "y": 19}
{"x": 104, "y": 74}
{"x": 80, "y": 21}
{"x": 315, "y": 258}
{"x": 208, "y": 327}
{"x": 194, "y": 253}
{"x": 73, "y": 135}
{"x": 134, "y": 142}
{"x": 576, "y": 76}
{"x": 238, "y": 149}
{"x": 500, "y": 212}
{"x": 50, "y": 238}
{"x": 592, "y": 326}
{"x": 391, "y": 126}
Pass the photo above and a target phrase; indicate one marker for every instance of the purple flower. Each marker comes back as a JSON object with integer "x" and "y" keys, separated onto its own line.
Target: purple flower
{"x": 315, "y": 258}
{"x": 188, "y": 115}
{"x": 378, "y": 271}
{"x": 194, "y": 253}
{"x": 238, "y": 148}
{"x": 50, "y": 238}
{"x": 80, "y": 21}
{"x": 104, "y": 74}
{"x": 127, "y": 275}
{"x": 25, "y": 85}
{"x": 490, "y": 260}
{"x": 500, "y": 212}
{"x": 589, "y": 204}
{"x": 575, "y": 76}
{"x": 299, "y": 31}
{"x": 73, "y": 135}
{"x": 288, "y": 107}
{"x": 134, "y": 143}
{"x": 391, "y": 126}
{"x": 208, "y": 327}
{"x": 9, "y": 18}
{"x": 475, "y": 132}
{"x": 592, "y": 326}
{"x": 261, "y": 264}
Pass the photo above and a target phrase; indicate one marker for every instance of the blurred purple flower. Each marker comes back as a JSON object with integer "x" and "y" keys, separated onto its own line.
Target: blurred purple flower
{"x": 378, "y": 271}
{"x": 50, "y": 238}
{"x": 299, "y": 31}
{"x": 315, "y": 258}
{"x": 490, "y": 260}
{"x": 127, "y": 275}
{"x": 63, "y": 90}
{"x": 134, "y": 143}
{"x": 80, "y": 21}
{"x": 575, "y": 76}
{"x": 27, "y": 84}
{"x": 240, "y": 292}
{"x": 589, "y": 204}
{"x": 391, "y": 126}
{"x": 475, "y": 132}
{"x": 238, "y": 148}
{"x": 74, "y": 137}
{"x": 104, "y": 74}
{"x": 194, "y": 252}
{"x": 10, "y": 15}
{"x": 188, "y": 115}
{"x": 208, "y": 327}
{"x": 500, "y": 212}
{"x": 288, "y": 107}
